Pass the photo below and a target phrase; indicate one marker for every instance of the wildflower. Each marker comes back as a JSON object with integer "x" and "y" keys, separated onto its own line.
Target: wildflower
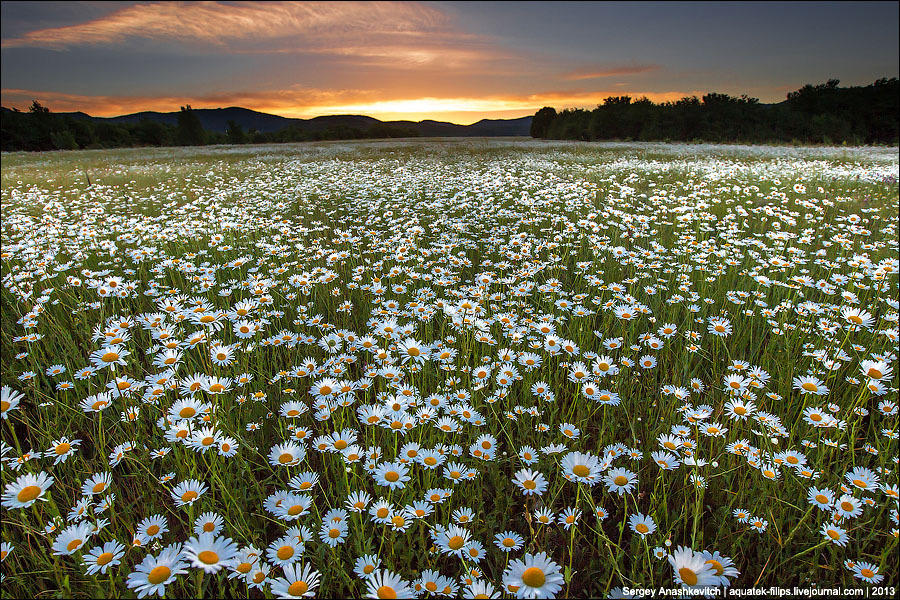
{"x": 534, "y": 576}
{"x": 641, "y": 524}
{"x": 333, "y": 533}
{"x": 210, "y": 553}
{"x": 508, "y": 541}
{"x": 620, "y": 480}
{"x": 867, "y": 572}
{"x": 285, "y": 551}
{"x": 9, "y": 400}
{"x": 298, "y": 582}
{"x": 451, "y": 540}
{"x": 581, "y": 468}
{"x": 100, "y": 559}
{"x": 287, "y": 455}
{"x": 71, "y": 539}
{"x": 393, "y": 475}
{"x": 385, "y": 584}
{"x": 154, "y": 573}
{"x": 834, "y": 534}
{"x": 187, "y": 492}
{"x": 366, "y": 565}
{"x": 26, "y": 490}
{"x": 810, "y": 385}
{"x": 530, "y": 482}
{"x": 691, "y": 569}
{"x": 153, "y": 527}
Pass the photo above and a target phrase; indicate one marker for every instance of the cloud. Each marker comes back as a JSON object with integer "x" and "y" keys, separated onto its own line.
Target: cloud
{"x": 597, "y": 73}
{"x": 311, "y": 102}
{"x": 399, "y": 35}
{"x": 219, "y": 23}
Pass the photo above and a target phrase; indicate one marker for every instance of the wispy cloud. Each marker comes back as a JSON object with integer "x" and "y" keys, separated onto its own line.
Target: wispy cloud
{"x": 219, "y": 23}
{"x": 310, "y": 102}
{"x": 400, "y": 35}
{"x": 597, "y": 73}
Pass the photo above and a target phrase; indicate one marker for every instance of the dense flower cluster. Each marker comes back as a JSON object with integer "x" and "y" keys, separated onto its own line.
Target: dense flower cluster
{"x": 479, "y": 369}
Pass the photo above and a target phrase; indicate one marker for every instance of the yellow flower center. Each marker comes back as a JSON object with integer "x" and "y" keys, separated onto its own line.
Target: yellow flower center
{"x": 104, "y": 558}
{"x": 208, "y": 557}
{"x": 298, "y": 588}
{"x": 688, "y": 576}
{"x": 158, "y": 574}
{"x": 716, "y": 565}
{"x": 533, "y": 577}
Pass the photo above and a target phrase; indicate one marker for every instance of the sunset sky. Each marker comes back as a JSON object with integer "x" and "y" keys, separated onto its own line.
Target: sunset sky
{"x": 450, "y": 61}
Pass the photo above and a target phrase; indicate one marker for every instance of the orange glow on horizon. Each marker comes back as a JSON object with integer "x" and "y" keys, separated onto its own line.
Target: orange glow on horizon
{"x": 463, "y": 111}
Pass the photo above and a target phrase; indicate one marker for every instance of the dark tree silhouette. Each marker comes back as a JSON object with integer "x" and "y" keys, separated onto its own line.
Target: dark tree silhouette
{"x": 190, "y": 130}
{"x": 823, "y": 113}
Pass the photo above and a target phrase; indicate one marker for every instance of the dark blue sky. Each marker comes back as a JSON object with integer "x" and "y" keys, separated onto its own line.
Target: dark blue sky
{"x": 457, "y": 61}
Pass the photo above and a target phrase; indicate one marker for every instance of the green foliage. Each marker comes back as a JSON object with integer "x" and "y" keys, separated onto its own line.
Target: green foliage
{"x": 820, "y": 114}
{"x": 64, "y": 140}
{"x": 597, "y": 203}
{"x": 190, "y": 130}
{"x": 39, "y": 130}
{"x": 235, "y": 133}
{"x": 541, "y": 121}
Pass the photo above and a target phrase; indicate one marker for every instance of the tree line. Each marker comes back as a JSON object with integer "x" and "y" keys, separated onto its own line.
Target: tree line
{"x": 817, "y": 114}
{"x": 39, "y": 129}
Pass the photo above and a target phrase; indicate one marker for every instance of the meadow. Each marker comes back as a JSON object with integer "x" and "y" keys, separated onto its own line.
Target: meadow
{"x": 462, "y": 368}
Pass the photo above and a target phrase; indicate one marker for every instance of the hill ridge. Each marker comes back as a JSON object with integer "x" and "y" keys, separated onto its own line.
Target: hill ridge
{"x": 216, "y": 119}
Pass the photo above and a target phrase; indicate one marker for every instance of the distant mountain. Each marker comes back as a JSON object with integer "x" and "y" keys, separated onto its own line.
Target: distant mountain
{"x": 216, "y": 119}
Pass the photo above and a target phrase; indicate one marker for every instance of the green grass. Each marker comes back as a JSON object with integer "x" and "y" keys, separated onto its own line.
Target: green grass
{"x": 699, "y": 223}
